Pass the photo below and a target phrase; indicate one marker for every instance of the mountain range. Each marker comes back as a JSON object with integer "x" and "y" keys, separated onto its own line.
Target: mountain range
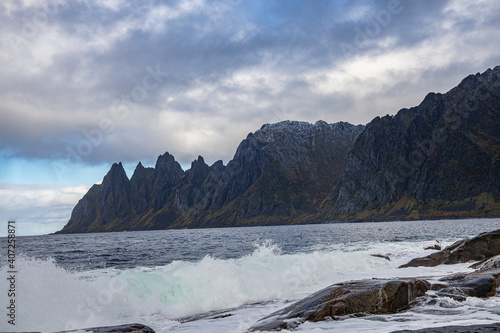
{"x": 440, "y": 159}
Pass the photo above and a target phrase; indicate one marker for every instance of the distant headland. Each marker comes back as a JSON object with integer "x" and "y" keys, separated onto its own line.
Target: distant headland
{"x": 440, "y": 159}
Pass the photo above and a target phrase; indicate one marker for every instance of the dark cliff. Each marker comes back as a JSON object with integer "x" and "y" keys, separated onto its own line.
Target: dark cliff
{"x": 280, "y": 174}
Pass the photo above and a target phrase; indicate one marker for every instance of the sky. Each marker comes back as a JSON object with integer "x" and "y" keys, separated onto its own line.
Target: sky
{"x": 85, "y": 84}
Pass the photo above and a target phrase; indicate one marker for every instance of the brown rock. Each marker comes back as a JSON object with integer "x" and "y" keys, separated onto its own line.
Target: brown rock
{"x": 476, "y": 284}
{"x": 482, "y": 247}
{"x": 350, "y": 298}
{"x": 436, "y": 247}
{"x": 378, "y": 297}
{"x": 383, "y": 256}
{"x": 137, "y": 328}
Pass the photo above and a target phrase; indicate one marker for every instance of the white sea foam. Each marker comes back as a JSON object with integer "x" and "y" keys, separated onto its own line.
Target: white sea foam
{"x": 167, "y": 297}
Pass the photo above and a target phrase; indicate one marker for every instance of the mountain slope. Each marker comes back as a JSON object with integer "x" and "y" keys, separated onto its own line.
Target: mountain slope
{"x": 279, "y": 174}
{"x": 439, "y": 159}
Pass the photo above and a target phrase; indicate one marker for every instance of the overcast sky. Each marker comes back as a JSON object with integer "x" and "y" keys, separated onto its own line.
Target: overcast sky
{"x": 84, "y": 84}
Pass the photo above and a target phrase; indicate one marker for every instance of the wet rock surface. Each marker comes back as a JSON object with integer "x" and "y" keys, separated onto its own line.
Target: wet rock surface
{"x": 487, "y": 328}
{"x": 484, "y": 246}
{"x": 385, "y": 296}
{"x": 358, "y": 298}
{"x": 383, "y": 256}
{"x": 436, "y": 247}
{"x": 476, "y": 284}
{"x": 350, "y": 298}
{"x": 138, "y": 328}
{"x": 487, "y": 263}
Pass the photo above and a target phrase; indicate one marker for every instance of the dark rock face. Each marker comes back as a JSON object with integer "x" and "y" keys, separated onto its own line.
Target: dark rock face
{"x": 390, "y": 296}
{"x": 436, "y": 247}
{"x": 279, "y": 174}
{"x": 482, "y": 247}
{"x": 356, "y": 297}
{"x": 138, "y": 328}
{"x": 439, "y": 159}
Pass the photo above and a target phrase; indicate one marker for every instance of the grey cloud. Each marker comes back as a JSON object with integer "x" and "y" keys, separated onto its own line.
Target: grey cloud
{"x": 49, "y": 206}
{"x": 96, "y": 55}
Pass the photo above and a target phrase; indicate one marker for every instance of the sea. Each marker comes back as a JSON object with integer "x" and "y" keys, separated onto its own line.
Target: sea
{"x": 225, "y": 280}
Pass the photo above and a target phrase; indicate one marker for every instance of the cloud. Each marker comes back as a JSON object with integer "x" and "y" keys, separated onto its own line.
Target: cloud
{"x": 78, "y": 74}
{"x": 38, "y": 208}
{"x": 87, "y": 83}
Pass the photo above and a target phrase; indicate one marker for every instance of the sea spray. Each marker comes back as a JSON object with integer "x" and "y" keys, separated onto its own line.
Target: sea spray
{"x": 49, "y": 298}
{"x": 182, "y": 289}
{"x": 187, "y": 294}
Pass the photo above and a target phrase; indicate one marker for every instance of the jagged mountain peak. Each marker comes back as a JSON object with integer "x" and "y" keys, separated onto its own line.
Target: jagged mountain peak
{"x": 140, "y": 173}
{"x": 278, "y": 171}
{"x": 438, "y": 159}
{"x": 290, "y": 126}
{"x": 299, "y": 130}
{"x": 165, "y": 159}
{"x": 138, "y": 169}
{"x": 168, "y": 162}
{"x": 286, "y": 124}
{"x": 199, "y": 169}
{"x": 489, "y": 76}
{"x": 117, "y": 172}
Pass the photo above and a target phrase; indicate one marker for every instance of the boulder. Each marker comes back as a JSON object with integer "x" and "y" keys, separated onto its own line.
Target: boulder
{"x": 482, "y": 247}
{"x": 138, "y": 328}
{"x": 436, "y": 247}
{"x": 476, "y": 284}
{"x": 350, "y": 298}
{"x": 490, "y": 263}
{"x": 378, "y": 296}
{"x": 383, "y": 256}
{"x": 485, "y": 328}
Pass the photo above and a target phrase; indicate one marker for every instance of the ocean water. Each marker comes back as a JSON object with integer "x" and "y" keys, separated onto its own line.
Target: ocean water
{"x": 224, "y": 280}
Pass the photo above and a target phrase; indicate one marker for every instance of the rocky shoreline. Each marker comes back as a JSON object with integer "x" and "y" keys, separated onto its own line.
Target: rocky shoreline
{"x": 386, "y": 296}
{"x": 126, "y": 328}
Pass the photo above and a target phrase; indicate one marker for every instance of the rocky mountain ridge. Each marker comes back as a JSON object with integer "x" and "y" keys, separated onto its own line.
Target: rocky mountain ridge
{"x": 440, "y": 159}
{"x": 279, "y": 174}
